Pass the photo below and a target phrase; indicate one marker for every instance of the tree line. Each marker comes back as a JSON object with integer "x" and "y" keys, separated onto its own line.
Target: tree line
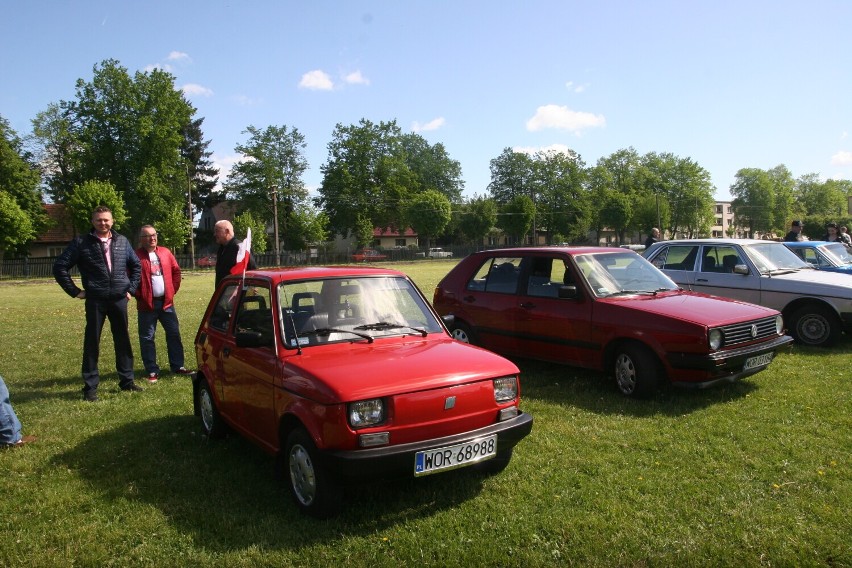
{"x": 136, "y": 144}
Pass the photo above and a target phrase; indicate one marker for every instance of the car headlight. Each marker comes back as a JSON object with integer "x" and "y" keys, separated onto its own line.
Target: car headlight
{"x": 779, "y": 325}
{"x": 366, "y": 413}
{"x": 505, "y": 389}
{"x": 715, "y": 337}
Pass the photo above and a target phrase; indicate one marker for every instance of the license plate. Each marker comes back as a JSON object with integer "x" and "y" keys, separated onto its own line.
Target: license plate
{"x": 758, "y": 361}
{"x": 458, "y": 455}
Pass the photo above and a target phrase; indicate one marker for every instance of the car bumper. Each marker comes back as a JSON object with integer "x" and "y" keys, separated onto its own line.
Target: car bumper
{"x": 723, "y": 366}
{"x": 394, "y": 461}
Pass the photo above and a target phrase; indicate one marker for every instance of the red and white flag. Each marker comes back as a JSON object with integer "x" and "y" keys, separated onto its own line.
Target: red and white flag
{"x": 243, "y": 254}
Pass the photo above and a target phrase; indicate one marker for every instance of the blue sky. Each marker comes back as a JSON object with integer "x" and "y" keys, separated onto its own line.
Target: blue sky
{"x": 728, "y": 84}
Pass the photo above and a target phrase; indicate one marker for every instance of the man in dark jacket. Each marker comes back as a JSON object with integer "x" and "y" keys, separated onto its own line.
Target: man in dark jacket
{"x": 109, "y": 269}
{"x": 226, "y": 256}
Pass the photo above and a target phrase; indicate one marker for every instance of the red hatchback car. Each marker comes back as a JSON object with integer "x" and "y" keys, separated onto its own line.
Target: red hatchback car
{"x": 605, "y": 309}
{"x": 347, "y": 373}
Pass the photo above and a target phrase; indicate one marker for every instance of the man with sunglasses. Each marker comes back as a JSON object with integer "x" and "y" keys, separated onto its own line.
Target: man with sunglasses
{"x": 155, "y": 303}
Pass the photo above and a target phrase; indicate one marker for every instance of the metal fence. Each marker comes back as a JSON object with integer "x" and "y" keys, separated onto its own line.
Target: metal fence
{"x": 34, "y": 268}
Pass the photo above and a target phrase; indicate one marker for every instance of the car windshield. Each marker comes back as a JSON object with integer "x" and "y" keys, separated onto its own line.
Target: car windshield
{"x": 616, "y": 273}
{"x": 353, "y": 309}
{"x": 838, "y": 253}
{"x": 771, "y": 257}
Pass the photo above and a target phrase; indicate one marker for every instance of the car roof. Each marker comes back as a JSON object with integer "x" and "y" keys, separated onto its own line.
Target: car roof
{"x": 531, "y": 250}
{"x": 283, "y": 274}
{"x": 718, "y": 241}
{"x": 809, "y": 244}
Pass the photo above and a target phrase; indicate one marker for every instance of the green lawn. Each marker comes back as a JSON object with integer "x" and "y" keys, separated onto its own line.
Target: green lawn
{"x": 752, "y": 474}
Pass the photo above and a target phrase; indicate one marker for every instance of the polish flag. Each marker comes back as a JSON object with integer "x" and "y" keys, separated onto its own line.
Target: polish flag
{"x": 243, "y": 254}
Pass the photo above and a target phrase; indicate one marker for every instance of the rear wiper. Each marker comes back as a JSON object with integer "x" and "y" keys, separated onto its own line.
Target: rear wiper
{"x": 325, "y": 331}
{"x": 383, "y": 325}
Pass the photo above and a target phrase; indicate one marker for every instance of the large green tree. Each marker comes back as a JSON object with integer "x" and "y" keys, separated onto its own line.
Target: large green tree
{"x": 126, "y": 130}
{"x": 87, "y": 196}
{"x": 516, "y": 217}
{"x": 428, "y": 214}
{"x": 512, "y": 175}
{"x": 754, "y": 200}
{"x": 272, "y": 167}
{"x": 19, "y": 183}
{"x": 563, "y": 204}
{"x": 432, "y": 167}
{"x": 477, "y": 218}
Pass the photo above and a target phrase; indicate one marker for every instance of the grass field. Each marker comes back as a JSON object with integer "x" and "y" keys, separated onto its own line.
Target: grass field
{"x": 752, "y": 474}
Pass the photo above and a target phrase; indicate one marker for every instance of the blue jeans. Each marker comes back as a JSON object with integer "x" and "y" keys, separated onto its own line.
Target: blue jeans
{"x": 147, "y": 329}
{"x": 10, "y": 426}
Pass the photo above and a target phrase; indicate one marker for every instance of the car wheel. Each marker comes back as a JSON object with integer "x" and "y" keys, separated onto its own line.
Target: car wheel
{"x": 461, "y": 332}
{"x": 211, "y": 422}
{"x": 635, "y": 371}
{"x": 496, "y": 464}
{"x": 313, "y": 489}
{"x": 815, "y": 325}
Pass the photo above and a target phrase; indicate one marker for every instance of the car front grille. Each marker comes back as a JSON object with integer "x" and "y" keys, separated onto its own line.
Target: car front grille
{"x": 749, "y": 331}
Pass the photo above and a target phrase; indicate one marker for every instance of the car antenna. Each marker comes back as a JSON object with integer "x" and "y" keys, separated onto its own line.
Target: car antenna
{"x": 289, "y": 311}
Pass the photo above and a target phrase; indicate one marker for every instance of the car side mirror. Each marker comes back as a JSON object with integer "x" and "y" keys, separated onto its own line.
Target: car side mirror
{"x": 568, "y": 292}
{"x": 448, "y": 320}
{"x": 250, "y": 339}
{"x": 740, "y": 269}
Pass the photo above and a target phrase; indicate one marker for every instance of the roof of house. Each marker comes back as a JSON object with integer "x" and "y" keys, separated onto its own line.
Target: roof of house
{"x": 61, "y": 228}
{"x": 388, "y": 232}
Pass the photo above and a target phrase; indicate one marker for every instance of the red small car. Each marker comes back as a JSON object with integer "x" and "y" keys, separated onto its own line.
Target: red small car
{"x": 606, "y": 309}
{"x": 368, "y": 255}
{"x": 206, "y": 261}
{"x": 347, "y": 373}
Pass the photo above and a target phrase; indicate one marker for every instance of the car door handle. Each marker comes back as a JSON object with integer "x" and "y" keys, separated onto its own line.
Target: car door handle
{"x": 527, "y": 305}
{"x": 470, "y": 299}
{"x": 701, "y": 280}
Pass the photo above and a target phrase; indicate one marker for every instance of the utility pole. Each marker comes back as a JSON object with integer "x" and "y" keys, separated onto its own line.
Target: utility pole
{"x": 189, "y": 206}
{"x": 274, "y": 193}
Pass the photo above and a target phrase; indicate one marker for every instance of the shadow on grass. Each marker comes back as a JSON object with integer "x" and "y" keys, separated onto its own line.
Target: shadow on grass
{"x": 65, "y": 388}
{"x": 224, "y": 495}
{"x": 597, "y": 392}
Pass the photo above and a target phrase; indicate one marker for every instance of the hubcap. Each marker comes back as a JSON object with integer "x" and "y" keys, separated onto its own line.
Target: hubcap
{"x": 625, "y": 373}
{"x": 813, "y": 328}
{"x": 206, "y": 404}
{"x": 302, "y": 476}
{"x": 460, "y": 335}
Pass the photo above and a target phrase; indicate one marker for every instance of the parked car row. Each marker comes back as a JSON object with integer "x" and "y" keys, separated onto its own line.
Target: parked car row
{"x": 349, "y": 373}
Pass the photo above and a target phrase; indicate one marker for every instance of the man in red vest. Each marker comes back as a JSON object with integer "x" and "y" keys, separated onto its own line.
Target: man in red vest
{"x": 155, "y": 302}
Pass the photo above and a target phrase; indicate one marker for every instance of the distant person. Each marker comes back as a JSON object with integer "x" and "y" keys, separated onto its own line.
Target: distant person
{"x": 226, "y": 256}
{"x": 158, "y": 285}
{"x": 10, "y": 426}
{"x": 832, "y": 235}
{"x": 109, "y": 269}
{"x": 795, "y": 233}
{"x": 844, "y": 234}
{"x": 652, "y": 238}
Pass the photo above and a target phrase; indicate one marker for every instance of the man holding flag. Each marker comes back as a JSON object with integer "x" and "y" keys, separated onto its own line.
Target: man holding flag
{"x": 232, "y": 257}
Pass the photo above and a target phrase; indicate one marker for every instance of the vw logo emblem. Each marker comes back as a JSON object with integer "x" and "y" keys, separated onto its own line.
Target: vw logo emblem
{"x": 754, "y": 331}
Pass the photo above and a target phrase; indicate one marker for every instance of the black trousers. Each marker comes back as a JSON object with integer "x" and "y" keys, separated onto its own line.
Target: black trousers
{"x": 98, "y": 310}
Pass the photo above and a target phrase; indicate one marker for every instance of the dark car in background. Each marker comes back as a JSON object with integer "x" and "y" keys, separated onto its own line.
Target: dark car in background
{"x": 817, "y": 305}
{"x": 606, "y": 309}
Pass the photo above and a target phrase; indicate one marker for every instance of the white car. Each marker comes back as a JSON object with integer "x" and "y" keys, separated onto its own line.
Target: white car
{"x": 439, "y": 253}
{"x": 816, "y": 305}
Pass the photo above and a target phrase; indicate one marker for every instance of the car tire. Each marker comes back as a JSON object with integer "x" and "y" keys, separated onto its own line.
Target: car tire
{"x": 815, "y": 325}
{"x": 635, "y": 371}
{"x": 314, "y": 491}
{"x": 211, "y": 422}
{"x": 496, "y": 464}
{"x": 462, "y": 332}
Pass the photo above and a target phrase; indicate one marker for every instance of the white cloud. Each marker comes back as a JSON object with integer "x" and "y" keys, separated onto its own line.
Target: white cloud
{"x": 191, "y": 89}
{"x": 224, "y": 163}
{"x": 178, "y": 56}
{"x": 160, "y": 66}
{"x": 842, "y": 159}
{"x": 244, "y": 100}
{"x": 576, "y": 88}
{"x": 316, "y": 80}
{"x": 434, "y": 124}
{"x": 356, "y": 78}
{"x": 563, "y": 118}
{"x": 553, "y": 148}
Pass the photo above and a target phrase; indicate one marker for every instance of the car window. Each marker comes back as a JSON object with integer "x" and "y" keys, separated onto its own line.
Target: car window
{"x": 841, "y": 255}
{"x": 221, "y": 317}
{"x": 807, "y": 254}
{"x": 719, "y": 258}
{"x": 677, "y": 257}
{"x": 546, "y": 276}
{"x": 499, "y": 275}
{"x": 611, "y": 273}
{"x": 255, "y": 314}
{"x": 772, "y": 256}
